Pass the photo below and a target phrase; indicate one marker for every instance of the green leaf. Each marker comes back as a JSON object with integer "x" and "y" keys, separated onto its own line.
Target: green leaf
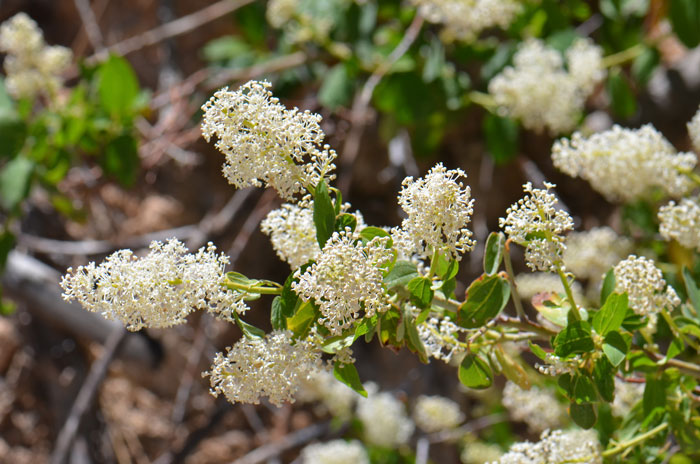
{"x": 402, "y": 273}
{"x": 324, "y": 214}
{"x": 604, "y": 377}
{"x": 337, "y": 87}
{"x": 121, "y": 159}
{"x": 608, "y": 286}
{"x": 421, "y": 291}
{"x": 474, "y": 372}
{"x": 584, "y": 415}
{"x": 368, "y": 233}
{"x": 486, "y": 298}
{"x": 615, "y": 348}
{"x": 345, "y": 220}
{"x": 15, "y": 181}
{"x": 118, "y": 86}
{"x": 501, "y": 135}
{"x": 446, "y": 269}
{"x": 335, "y": 344}
{"x": 685, "y": 19}
{"x": 575, "y": 338}
{"x": 303, "y": 319}
{"x": 584, "y": 391}
{"x": 347, "y": 374}
{"x": 367, "y": 328}
{"x": 414, "y": 342}
{"x": 493, "y": 252}
{"x": 7, "y": 241}
{"x": 537, "y": 351}
{"x": 226, "y": 48}
{"x": 248, "y": 330}
{"x": 288, "y": 298}
{"x": 13, "y": 132}
{"x": 654, "y": 400}
{"x": 277, "y": 318}
{"x": 645, "y": 64}
{"x": 623, "y": 102}
{"x": 691, "y": 288}
{"x": 612, "y": 314}
{"x": 512, "y": 370}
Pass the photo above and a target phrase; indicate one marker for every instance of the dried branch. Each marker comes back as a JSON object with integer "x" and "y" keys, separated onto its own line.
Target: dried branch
{"x": 290, "y": 441}
{"x": 86, "y": 395}
{"x": 92, "y": 29}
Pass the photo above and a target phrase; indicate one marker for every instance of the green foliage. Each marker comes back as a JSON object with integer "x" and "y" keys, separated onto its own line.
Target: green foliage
{"x": 324, "y": 214}
{"x": 486, "y": 298}
{"x": 493, "y": 252}
{"x": 474, "y": 372}
{"x": 347, "y": 373}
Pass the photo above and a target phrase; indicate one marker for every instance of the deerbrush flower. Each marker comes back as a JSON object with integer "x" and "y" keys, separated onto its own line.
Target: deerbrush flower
{"x": 31, "y": 66}
{"x": 589, "y": 254}
{"x": 681, "y": 222}
{"x": 645, "y": 286}
{"x": 346, "y": 281}
{"x": 384, "y": 419}
{"x": 439, "y": 207}
{"x": 625, "y": 164}
{"x": 464, "y": 21}
{"x": 535, "y": 223}
{"x": 157, "y": 290}
{"x": 273, "y": 367}
{"x": 335, "y": 452}
{"x": 537, "y": 407}
{"x": 557, "y": 447}
{"x": 436, "y": 413}
{"x": 264, "y": 142}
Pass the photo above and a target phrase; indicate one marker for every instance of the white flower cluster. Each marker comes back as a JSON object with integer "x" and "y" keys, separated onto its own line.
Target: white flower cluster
{"x": 464, "y": 21}
{"x": 293, "y": 233}
{"x": 346, "y": 281}
{"x": 694, "y": 130}
{"x": 627, "y": 395}
{"x": 335, "y": 452}
{"x": 555, "y": 366}
{"x": 540, "y": 92}
{"x": 535, "y": 223}
{"x": 264, "y": 142}
{"x": 157, "y": 290}
{"x": 31, "y": 66}
{"x": 645, "y": 286}
{"x": 440, "y": 338}
{"x": 480, "y": 453}
{"x": 302, "y": 21}
{"x": 439, "y": 207}
{"x": 258, "y": 367}
{"x": 335, "y": 397}
{"x": 681, "y": 222}
{"x": 557, "y": 447}
{"x": 589, "y": 254}
{"x": 625, "y": 164}
{"x": 534, "y": 283}
{"x": 436, "y": 413}
{"x": 384, "y": 419}
{"x": 537, "y": 407}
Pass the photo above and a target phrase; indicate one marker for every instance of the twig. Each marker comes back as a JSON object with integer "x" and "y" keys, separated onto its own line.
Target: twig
{"x": 261, "y": 209}
{"x": 180, "y": 26}
{"x": 92, "y": 29}
{"x": 422, "y": 450}
{"x": 292, "y": 440}
{"x": 85, "y": 396}
{"x": 469, "y": 427}
{"x": 36, "y": 284}
{"x": 222, "y": 77}
{"x": 358, "y": 115}
{"x": 187, "y": 379}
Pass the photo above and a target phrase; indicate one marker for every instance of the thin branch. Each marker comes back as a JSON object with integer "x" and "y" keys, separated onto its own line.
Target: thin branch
{"x": 360, "y": 105}
{"x": 92, "y": 29}
{"x": 290, "y": 441}
{"x": 85, "y": 396}
{"x": 180, "y": 26}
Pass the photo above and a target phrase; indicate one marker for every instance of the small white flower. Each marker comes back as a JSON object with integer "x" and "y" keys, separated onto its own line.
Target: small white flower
{"x": 157, "y": 290}
{"x": 31, "y": 66}
{"x": 557, "y": 447}
{"x": 535, "y": 223}
{"x": 464, "y": 21}
{"x": 625, "y": 164}
{"x": 530, "y": 284}
{"x": 590, "y": 254}
{"x": 538, "y": 408}
{"x": 335, "y": 452}
{"x": 384, "y": 419}
{"x": 681, "y": 222}
{"x": 264, "y": 142}
{"x": 270, "y": 367}
{"x": 645, "y": 286}
{"x": 441, "y": 338}
{"x": 436, "y": 413}
{"x": 335, "y": 397}
{"x": 480, "y": 453}
{"x": 694, "y": 130}
{"x": 439, "y": 208}
{"x": 627, "y": 395}
{"x": 346, "y": 281}
{"x": 540, "y": 92}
